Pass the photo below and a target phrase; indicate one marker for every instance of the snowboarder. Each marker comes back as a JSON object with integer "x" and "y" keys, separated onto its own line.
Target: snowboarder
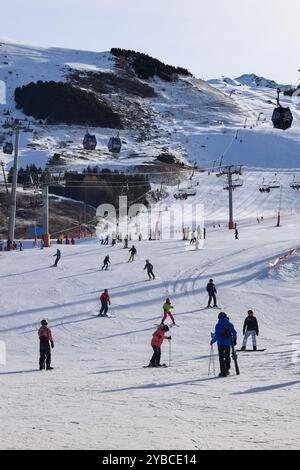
{"x": 105, "y": 302}
{"x": 46, "y": 340}
{"x": 167, "y": 307}
{"x": 132, "y": 252}
{"x": 106, "y": 262}
{"x": 149, "y": 268}
{"x": 212, "y": 291}
{"x": 58, "y": 256}
{"x": 225, "y": 335}
{"x": 158, "y": 338}
{"x": 250, "y": 329}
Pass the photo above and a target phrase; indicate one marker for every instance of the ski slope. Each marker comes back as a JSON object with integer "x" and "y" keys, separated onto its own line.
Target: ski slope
{"x": 100, "y": 397}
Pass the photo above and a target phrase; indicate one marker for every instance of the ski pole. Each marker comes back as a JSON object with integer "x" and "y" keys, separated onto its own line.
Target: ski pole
{"x": 170, "y": 352}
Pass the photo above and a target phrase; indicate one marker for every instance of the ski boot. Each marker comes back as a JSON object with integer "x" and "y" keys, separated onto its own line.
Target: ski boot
{"x": 254, "y": 348}
{"x": 243, "y": 348}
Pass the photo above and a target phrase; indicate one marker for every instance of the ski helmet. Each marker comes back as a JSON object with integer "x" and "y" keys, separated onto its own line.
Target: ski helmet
{"x": 223, "y": 315}
{"x": 250, "y": 312}
{"x": 165, "y": 328}
{"x": 44, "y": 323}
{"x": 168, "y": 301}
{"x": 211, "y": 280}
{"x": 106, "y": 291}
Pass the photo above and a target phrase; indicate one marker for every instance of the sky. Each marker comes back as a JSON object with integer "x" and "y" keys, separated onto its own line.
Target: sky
{"x": 212, "y": 38}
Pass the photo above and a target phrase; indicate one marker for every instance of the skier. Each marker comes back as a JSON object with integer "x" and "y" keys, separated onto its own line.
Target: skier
{"x": 105, "y": 302}
{"x": 236, "y": 234}
{"x": 106, "y": 262}
{"x": 212, "y": 291}
{"x": 20, "y": 246}
{"x": 149, "y": 268}
{"x": 225, "y": 335}
{"x": 250, "y": 329}
{"x": 167, "y": 307}
{"x": 58, "y": 256}
{"x": 158, "y": 338}
{"x": 126, "y": 242}
{"x": 132, "y": 252}
{"x": 46, "y": 340}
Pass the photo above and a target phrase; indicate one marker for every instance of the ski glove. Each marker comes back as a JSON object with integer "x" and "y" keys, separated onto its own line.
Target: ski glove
{"x": 169, "y": 338}
{"x": 52, "y": 345}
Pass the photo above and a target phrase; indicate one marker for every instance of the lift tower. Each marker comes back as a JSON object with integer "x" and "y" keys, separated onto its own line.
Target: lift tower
{"x": 229, "y": 171}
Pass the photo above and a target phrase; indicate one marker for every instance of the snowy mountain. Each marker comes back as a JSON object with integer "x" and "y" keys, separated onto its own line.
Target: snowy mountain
{"x": 253, "y": 80}
{"x": 194, "y": 120}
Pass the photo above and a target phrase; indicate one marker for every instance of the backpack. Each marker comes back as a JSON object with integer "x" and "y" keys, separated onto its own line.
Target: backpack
{"x": 226, "y": 332}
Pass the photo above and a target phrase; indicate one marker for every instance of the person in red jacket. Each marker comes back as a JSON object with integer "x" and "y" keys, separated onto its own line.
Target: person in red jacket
{"x": 158, "y": 338}
{"x": 46, "y": 340}
{"x": 105, "y": 302}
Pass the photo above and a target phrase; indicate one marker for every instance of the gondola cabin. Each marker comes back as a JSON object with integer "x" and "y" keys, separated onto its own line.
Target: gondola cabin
{"x": 8, "y": 148}
{"x": 282, "y": 117}
{"x": 89, "y": 142}
{"x": 114, "y": 144}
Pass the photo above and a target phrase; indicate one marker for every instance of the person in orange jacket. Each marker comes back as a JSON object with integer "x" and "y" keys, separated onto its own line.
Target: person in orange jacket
{"x": 158, "y": 338}
{"x": 46, "y": 340}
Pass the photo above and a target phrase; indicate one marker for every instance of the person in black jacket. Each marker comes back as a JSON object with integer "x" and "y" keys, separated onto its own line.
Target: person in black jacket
{"x": 250, "y": 329}
{"x": 106, "y": 262}
{"x": 149, "y": 268}
{"x": 212, "y": 291}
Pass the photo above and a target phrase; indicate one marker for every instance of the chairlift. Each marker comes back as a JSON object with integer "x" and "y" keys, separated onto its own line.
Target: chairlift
{"x": 295, "y": 184}
{"x": 236, "y": 183}
{"x": 267, "y": 187}
{"x": 8, "y": 148}
{"x": 282, "y": 117}
{"x": 114, "y": 144}
{"x": 89, "y": 141}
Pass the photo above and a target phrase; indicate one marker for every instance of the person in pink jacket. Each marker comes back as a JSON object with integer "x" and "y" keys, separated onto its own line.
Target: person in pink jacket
{"x": 158, "y": 338}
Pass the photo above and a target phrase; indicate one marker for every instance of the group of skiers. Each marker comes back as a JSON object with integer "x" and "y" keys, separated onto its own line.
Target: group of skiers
{"x": 225, "y": 334}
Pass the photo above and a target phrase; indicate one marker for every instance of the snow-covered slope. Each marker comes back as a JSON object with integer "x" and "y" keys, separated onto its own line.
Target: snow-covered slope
{"x": 100, "y": 397}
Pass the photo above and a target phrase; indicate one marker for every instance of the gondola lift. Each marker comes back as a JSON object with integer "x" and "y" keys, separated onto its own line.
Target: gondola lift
{"x": 8, "y": 148}
{"x": 282, "y": 117}
{"x": 89, "y": 141}
{"x": 114, "y": 144}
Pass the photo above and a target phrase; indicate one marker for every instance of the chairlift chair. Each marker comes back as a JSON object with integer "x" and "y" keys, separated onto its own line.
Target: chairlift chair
{"x": 295, "y": 184}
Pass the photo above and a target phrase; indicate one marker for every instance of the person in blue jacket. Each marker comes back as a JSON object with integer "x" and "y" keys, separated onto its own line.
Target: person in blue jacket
{"x": 225, "y": 335}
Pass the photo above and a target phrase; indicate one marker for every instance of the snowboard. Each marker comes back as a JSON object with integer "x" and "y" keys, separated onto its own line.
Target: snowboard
{"x": 163, "y": 366}
{"x": 251, "y": 350}
{"x": 234, "y": 357}
{"x": 106, "y": 316}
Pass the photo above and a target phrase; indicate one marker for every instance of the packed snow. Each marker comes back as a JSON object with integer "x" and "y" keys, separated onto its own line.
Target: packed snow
{"x": 99, "y": 396}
